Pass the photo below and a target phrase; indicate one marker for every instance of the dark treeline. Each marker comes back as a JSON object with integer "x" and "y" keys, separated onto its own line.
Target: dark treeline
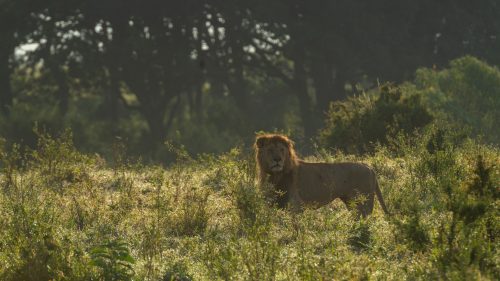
{"x": 211, "y": 73}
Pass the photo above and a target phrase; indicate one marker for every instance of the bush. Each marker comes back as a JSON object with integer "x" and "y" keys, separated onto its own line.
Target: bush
{"x": 467, "y": 94}
{"x": 355, "y": 125}
{"x": 114, "y": 260}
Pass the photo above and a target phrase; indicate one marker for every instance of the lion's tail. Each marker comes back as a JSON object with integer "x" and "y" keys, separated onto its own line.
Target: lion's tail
{"x": 380, "y": 198}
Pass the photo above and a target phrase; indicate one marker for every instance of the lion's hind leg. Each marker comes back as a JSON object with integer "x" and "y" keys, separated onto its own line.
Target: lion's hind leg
{"x": 363, "y": 204}
{"x": 365, "y": 207}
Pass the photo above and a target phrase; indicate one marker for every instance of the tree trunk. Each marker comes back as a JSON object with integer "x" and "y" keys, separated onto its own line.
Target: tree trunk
{"x": 339, "y": 85}
{"x": 112, "y": 97}
{"x": 62, "y": 88}
{"x": 300, "y": 86}
{"x": 323, "y": 85}
{"x": 236, "y": 83}
{"x": 6, "y": 95}
{"x": 157, "y": 130}
{"x": 113, "y": 59}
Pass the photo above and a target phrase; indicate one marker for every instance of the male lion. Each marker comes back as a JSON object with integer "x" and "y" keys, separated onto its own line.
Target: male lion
{"x": 303, "y": 183}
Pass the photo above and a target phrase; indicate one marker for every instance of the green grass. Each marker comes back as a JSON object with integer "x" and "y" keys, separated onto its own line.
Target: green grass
{"x": 68, "y": 216}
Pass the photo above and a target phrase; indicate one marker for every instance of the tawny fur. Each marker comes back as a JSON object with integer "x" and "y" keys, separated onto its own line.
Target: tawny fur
{"x": 300, "y": 183}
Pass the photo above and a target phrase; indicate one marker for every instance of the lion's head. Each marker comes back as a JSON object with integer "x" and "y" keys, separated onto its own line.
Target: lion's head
{"x": 274, "y": 154}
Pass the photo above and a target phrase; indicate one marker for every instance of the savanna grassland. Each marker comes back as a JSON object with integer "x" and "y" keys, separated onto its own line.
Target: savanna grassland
{"x": 126, "y": 132}
{"x": 69, "y": 216}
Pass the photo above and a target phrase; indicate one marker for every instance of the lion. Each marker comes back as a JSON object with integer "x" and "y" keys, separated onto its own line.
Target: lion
{"x": 300, "y": 183}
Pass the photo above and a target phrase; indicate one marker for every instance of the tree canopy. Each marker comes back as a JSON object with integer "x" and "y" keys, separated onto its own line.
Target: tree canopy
{"x": 233, "y": 67}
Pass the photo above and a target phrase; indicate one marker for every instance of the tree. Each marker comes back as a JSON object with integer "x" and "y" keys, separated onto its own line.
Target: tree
{"x": 161, "y": 59}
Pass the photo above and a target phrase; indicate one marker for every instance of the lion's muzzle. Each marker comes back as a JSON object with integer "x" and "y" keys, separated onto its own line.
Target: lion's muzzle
{"x": 277, "y": 166}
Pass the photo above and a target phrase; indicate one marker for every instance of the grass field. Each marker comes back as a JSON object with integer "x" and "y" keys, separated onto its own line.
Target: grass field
{"x": 69, "y": 216}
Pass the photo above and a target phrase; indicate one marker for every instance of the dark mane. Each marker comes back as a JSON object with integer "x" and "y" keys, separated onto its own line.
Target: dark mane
{"x": 275, "y": 178}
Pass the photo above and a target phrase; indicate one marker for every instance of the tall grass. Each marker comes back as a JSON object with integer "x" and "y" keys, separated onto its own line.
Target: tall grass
{"x": 69, "y": 216}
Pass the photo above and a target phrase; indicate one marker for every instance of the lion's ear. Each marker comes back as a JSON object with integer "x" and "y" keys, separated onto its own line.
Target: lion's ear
{"x": 260, "y": 142}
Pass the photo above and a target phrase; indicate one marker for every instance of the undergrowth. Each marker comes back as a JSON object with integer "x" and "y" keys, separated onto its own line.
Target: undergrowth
{"x": 69, "y": 216}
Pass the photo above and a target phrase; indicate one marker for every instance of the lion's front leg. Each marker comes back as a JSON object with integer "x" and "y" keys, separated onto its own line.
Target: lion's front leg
{"x": 295, "y": 201}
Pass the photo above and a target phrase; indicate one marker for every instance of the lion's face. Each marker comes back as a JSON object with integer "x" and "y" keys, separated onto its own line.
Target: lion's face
{"x": 273, "y": 154}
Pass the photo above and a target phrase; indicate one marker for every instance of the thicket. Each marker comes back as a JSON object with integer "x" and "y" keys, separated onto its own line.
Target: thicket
{"x": 359, "y": 123}
{"x": 465, "y": 94}
{"x": 464, "y": 97}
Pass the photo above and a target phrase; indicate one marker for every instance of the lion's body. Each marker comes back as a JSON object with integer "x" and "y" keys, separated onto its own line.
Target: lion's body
{"x": 320, "y": 183}
{"x": 303, "y": 183}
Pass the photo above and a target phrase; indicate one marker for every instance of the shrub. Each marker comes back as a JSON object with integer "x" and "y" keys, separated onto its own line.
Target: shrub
{"x": 467, "y": 93}
{"x": 114, "y": 260}
{"x": 177, "y": 272}
{"x": 355, "y": 125}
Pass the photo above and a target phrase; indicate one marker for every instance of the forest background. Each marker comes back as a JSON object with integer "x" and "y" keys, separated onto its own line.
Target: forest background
{"x": 208, "y": 75}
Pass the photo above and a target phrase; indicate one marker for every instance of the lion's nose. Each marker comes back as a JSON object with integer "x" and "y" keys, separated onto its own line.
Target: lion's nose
{"x": 277, "y": 158}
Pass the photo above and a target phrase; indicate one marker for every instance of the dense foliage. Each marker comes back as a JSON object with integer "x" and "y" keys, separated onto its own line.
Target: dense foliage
{"x": 357, "y": 124}
{"x": 465, "y": 94}
{"x": 465, "y": 97}
{"x": 193, "y": 70}
{"x": 68, "y": 216}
